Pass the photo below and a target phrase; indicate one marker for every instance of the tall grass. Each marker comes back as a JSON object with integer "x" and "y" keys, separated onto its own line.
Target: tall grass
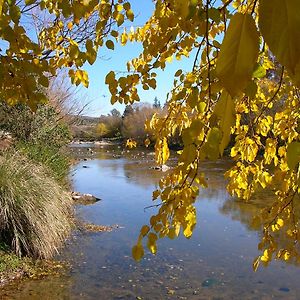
{"x": 35, "y": 212}
{"x": 53, "y": 158}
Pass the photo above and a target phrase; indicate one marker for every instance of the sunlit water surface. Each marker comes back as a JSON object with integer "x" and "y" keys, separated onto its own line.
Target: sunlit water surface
{"x": 216, "y": 263}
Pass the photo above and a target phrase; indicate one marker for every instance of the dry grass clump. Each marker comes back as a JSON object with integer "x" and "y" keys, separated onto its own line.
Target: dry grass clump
{"x": 35, "y": 212}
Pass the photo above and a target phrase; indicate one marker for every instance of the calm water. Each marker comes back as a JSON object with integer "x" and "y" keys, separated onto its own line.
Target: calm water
{"x": 215, "y": 264}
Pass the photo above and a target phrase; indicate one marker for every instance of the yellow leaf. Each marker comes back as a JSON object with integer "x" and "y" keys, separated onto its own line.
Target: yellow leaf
{"x": 238, "y": 54}
{"x": 152, "y": 246}
{"x": 130, "y": 15}
{"x": 280, "y": 222}
{"x": 89, "y": 45}
{"x": 124, "y": 38}
{"x": 172, "y": 233}
{"x": 70, "y": 25}
{"x": 178, "y": 73}
{"x": 225, "y": 111}
{"x": 279, "y": 22}
{"x": 286, "y": 255}
{"x": 256, "y": 263}
{"x": 137, "y": 252}
{"x": 191, "y": 222}
{"x": 126, "y": 6}
{"x": 152, "y": 238}
{"x": 119, "y": 7}
{"x": 110, "y": 45}
{"x": 110, "y": 77}
{"x": 266, "y": 257}
{"x": 155, "y": 194}
{"x": 29, "y": 2}
{"x": 145, "y": 229}
{"x": 165, "y": 151}
{"x": 120, "y": 19}
{"x": 43, "y": 80}
{"x": 213, "y": 141}
{"x": 147, "y": 142}
{"x": 162, "y": 152}
{"x": 293, "y": 154}
{"x": 91, "y": 56}
{"x": 131, "y": 143}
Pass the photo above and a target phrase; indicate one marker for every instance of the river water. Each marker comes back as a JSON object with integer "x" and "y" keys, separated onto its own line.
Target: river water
{"x": 216, "y": 263}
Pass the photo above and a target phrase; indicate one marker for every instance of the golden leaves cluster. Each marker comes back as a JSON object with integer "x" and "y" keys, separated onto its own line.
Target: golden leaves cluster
{"x": 68, "y": 34}
{"x": 240, "y": 97}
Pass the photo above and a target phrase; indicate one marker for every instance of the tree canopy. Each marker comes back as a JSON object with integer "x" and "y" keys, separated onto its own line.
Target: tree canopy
{"x": 240, "y": 96}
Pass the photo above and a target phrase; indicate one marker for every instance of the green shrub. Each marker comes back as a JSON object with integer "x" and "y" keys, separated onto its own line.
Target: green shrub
{"x": 54, "y": 159}
{"x": 45, "y": 126}
{"x": 35, "y": 212}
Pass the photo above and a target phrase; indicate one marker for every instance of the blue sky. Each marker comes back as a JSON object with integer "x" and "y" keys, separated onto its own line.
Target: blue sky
{"x": 97, "y": 93}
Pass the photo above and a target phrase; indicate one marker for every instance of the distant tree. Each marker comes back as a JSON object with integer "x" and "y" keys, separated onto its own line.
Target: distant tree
{"x": 115, "y": 113}
{"x": 102, "y": 130}
{"x": 156, "y": 103}
{"x": 134, "y": 121}
{"x": 128, "y": 110}
{"x": 110, "y": 125}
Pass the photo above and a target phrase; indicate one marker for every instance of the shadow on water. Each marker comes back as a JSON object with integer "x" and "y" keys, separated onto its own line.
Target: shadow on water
{"x": 215, "y": 264}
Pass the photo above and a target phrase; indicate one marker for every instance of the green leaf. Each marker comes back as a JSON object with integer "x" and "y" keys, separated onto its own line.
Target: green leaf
{"x": 225, "y": 111}
{"x": 293, "y": 154}
{"x": 238, "y": 54}
{"x": 279, "y": 23}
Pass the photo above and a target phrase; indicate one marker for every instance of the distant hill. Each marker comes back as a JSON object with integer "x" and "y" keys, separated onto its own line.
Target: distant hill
{"x": 84, "y": 127}
{"x": 85, "y": 120}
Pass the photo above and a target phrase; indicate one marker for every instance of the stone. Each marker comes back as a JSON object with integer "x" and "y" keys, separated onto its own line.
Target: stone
{"x": 84, "y": 199}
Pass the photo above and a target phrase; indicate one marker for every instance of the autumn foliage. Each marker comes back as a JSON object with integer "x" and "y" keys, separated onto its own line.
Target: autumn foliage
{"x": 242, "y": 86}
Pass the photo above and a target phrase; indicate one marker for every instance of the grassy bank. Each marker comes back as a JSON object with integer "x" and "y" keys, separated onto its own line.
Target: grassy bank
{"x": 13, "y": 267}
{"x": 36, "y": 215}
{"x": 36, "y": 211}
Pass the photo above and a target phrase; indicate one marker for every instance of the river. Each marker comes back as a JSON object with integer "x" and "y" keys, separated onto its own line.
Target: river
{"x": 216, "y": 263}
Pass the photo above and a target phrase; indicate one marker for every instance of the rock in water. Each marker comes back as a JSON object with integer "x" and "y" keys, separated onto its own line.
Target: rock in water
{"x": 84, "y": 199}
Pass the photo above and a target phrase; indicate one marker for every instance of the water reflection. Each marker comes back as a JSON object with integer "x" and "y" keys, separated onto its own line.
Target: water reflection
{"x": 214, "y": 264}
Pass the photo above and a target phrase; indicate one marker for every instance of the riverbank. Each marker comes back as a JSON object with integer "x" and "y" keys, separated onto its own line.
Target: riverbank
{"x": 13, "y": 268}
{"x": 216, "y": 261}
{"x": 93, "y": 143}
{"x": 36, "y": 216}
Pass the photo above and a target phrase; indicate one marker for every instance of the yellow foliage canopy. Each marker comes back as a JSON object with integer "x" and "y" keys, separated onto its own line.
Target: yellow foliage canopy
{"x": 236, "y": 93}
{"x": 71, "y": 37}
